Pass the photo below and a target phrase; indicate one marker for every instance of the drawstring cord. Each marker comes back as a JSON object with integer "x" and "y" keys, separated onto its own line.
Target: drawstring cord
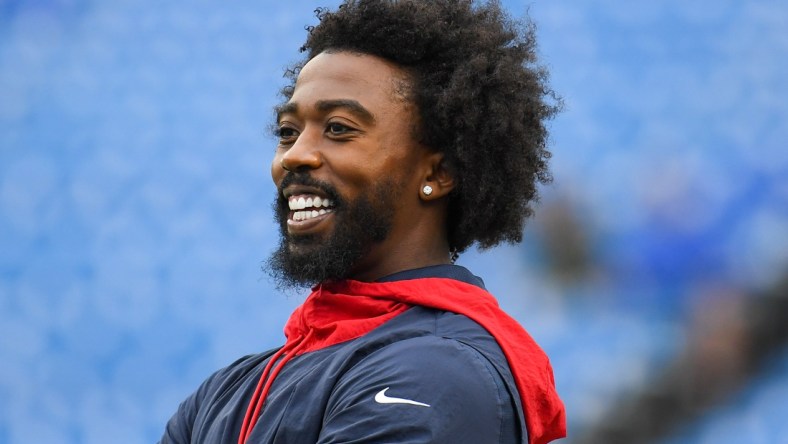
{"x": 287, "y": 352}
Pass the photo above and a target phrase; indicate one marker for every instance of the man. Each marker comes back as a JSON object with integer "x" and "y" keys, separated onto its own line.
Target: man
{"x": 412, "y": 130}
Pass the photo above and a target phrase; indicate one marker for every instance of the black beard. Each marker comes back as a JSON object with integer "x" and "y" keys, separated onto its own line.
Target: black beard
{"x": 358, "y": 225}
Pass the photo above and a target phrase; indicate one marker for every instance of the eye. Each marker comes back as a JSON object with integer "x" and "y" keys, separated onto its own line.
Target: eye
{"x": 286, "y": 134}
{"x": 338, "y": 129}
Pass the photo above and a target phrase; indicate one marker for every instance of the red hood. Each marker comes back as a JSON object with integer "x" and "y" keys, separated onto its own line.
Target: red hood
{"x": 340, "y": 311}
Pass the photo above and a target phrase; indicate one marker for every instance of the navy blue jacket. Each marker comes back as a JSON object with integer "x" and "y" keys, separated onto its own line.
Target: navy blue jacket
{"x": 426, "y": 376}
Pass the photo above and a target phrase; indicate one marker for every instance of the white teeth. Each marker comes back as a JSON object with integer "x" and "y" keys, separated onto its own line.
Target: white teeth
{"x": 316, "y": 202}
{"x": 305, "y": 215}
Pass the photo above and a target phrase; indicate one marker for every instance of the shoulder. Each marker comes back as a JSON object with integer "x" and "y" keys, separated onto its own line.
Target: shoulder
{"x": 427, "y": 347}
{"x": 187, "y": 419}
{"x": 230, "y": 377}
{"x": 440, "y": 385}
{"x": 424, "y": 335}
{"x": 432, "y": 365}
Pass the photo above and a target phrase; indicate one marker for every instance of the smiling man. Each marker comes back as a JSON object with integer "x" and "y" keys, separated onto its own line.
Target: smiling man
{"x": 346, "y": 142}
{"x": 412, "y": 130}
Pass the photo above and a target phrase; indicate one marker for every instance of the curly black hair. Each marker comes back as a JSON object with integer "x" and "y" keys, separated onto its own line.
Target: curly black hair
{"x": 481, "y": 97}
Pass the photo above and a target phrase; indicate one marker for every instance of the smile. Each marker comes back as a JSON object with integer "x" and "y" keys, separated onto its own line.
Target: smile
{"x": 304, "y": 207}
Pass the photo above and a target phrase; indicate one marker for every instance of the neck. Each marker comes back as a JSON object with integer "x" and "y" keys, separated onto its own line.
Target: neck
{"x": 419, "y": 239}
{"x": 388, "y": 258}
{"x": 391, "y": 265}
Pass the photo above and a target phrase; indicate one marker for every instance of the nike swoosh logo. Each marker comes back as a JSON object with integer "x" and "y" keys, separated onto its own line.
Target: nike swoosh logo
{"x": 381, "y": 398}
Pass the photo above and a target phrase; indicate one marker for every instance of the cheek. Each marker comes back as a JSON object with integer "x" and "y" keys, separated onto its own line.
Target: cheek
{"x": 347, "y": 166}
{"x": 277, "y": 172}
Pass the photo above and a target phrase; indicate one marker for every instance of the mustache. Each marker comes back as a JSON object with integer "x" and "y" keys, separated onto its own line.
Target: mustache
{"x": 302, "y": 178}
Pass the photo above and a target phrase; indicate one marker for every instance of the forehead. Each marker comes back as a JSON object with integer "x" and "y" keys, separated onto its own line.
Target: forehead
{"x": 371, "y": 81}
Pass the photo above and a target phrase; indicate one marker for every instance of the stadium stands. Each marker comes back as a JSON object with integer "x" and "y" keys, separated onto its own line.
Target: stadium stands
{"x": 135, "y": 215}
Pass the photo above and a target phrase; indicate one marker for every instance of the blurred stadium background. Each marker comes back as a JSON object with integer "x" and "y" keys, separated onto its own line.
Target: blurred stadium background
{"x": 135, "y": 215}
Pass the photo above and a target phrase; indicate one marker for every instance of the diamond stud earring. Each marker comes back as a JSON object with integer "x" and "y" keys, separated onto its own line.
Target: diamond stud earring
{"x": 427, "y": 190}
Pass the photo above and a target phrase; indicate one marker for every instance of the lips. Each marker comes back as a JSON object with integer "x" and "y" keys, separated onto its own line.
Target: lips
{"x": 307, "y": 211}
{"x": 308, "y": 206}
{"x": 306, "y": 203}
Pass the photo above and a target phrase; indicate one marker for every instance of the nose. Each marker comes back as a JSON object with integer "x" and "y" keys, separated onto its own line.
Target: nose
{"x": 303, "y": 154}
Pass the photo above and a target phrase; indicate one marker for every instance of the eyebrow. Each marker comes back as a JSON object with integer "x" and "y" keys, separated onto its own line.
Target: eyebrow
{"x": 352, "y": 106}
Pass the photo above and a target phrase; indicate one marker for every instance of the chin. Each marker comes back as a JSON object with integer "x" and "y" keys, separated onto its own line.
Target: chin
{"x": 298, "y": 250}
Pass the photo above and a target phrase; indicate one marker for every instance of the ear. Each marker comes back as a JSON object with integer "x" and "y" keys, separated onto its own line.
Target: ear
{"x": 437, "y": 177}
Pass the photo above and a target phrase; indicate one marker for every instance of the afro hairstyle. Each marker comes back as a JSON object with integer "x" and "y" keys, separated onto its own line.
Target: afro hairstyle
{"x": 482, "y": 100}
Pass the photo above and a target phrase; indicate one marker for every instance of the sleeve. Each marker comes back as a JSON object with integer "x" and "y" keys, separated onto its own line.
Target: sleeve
{"x": 179, "y": 427}
{"x": 421, "y": 390}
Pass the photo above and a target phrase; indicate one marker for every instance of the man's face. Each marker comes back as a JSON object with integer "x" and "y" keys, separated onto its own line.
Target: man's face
{"x": 345, "y": 169}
